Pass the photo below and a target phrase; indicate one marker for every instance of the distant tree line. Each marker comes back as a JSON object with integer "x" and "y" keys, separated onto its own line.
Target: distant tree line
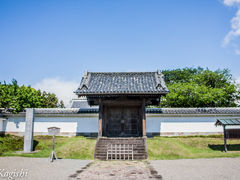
{"x": 19, "y": 97}
{"x": 199, "y": 87}
{"x": 189, "y": 87}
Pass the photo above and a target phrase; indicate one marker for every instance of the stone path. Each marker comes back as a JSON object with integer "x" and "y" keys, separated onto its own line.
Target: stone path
{"x": 198, "y": 169}
{"x": 63, "y": 169}
{"x": 116, "y": 170}
{"x": 41, "y": 168}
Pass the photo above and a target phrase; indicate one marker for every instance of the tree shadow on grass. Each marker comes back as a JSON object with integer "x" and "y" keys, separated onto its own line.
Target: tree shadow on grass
{"x": 2, "y": 134}
{"x": 35, "y": 143}
{"x": 220, "y": 147}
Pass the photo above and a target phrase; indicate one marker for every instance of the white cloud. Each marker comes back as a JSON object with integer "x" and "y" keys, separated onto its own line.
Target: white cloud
{"x": 62, "y": 88}
{"x": 231, "y": 2}
{"x": 234, "y": 33}
{"x": 238, "y": 80}
{"x": 237, "y": 51}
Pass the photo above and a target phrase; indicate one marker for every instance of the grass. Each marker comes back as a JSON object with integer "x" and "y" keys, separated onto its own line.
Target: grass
{"x": 65, "y": 147}
{"x": 10, "y": 143}
{"x": 158, "y": 147}
{"x": 187, "y": 147}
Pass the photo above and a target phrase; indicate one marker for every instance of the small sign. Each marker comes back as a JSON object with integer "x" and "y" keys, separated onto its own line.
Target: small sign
{"x": 53, "y": 131}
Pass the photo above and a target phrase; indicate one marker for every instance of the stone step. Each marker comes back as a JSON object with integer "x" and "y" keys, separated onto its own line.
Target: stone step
{"x": 104, "y": 144}
{"x": 135, "y": 150}
{"x": 139, "y": 147}
{"x": 134, "y": 155}
{"x": 101, "y": 149}
{"x": 135, "y": 147}
{"x": 126, "y": 158}
{"x": 122, "y": 142}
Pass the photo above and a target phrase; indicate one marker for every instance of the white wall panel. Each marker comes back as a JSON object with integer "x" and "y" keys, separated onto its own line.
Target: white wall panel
{"x": 189, "y": 127}
{"x": 156, "y": 124}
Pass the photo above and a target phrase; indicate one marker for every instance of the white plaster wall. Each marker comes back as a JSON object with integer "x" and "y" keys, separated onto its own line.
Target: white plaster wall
{"x": 155, "y": 124}
{"x": 1, "y": 124}
{"x": 183, "y": 124}
{"x": 187, "y": 127}
{"x": 67, "y": 124}
{"x": 14, "y": 124}
{"x": 41, "y": 127}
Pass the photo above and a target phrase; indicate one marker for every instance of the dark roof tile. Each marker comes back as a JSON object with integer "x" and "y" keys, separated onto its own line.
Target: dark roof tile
{"x": 122, "y": 83}
{"x": 175, "y": 111}
{"x": 228, "y": 121}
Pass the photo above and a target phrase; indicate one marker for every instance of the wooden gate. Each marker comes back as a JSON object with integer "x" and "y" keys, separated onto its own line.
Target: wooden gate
{"x": 122, "y": 121}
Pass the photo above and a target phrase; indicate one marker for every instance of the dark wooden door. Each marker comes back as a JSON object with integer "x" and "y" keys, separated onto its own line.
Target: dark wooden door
{"x": 122, "y": 121}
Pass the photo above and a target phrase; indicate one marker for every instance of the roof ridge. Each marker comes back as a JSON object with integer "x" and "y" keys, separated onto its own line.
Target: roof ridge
{"x": 122, "y": 72}
{"x": 122, "y": 83}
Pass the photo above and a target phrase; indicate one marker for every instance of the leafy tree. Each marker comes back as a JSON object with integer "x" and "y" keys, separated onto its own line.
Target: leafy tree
{"x": 19, "y": 97}
{"x": 61, "y": 104}
{"x": 180, "y": 75}
{"x": 198, "y": 87}
{"x": 50, "y": 100}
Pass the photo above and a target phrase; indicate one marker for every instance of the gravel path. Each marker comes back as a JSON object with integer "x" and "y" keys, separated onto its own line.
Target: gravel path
{"x": 194, "y": 169}
{"x": 63, "y": 169}
{"x": 41, "y": 168}
{"x": 116, "y": 170}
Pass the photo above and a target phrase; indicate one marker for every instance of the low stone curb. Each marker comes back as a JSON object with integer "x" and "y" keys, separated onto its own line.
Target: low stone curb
{"x": 153, "y": 171}
{"x": 73, "y": 176}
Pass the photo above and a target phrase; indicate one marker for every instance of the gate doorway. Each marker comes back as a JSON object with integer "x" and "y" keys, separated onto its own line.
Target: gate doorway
{"x": 122, "y": 121}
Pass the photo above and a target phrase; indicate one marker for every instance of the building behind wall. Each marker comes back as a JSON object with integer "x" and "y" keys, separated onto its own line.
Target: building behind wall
{"x": 160, "y": 121}
{"x": 122, "y": 98}
{"x": 103, "y": 88}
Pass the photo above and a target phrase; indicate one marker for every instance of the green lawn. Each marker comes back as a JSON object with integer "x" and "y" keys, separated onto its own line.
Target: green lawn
{"x": 65, "y": 147}
{"x": 191, "y": 147}
{"x": 158, "y": 147}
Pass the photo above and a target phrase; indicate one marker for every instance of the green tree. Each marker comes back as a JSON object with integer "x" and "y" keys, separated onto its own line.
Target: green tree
{"x": 49, "y": 99}
{"x": 61, "y": 104}
{"x": 19, "y": 97}
{"x": 198, "y": 87}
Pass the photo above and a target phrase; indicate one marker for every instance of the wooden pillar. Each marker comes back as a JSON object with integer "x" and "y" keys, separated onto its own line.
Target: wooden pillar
{"x": 100, "y": 119}
{"x": 225, "y": 138}
{"x": 144, "y": 119}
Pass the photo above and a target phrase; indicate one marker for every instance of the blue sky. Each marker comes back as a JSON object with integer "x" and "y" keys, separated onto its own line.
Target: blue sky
{"x": 48, "y": 39}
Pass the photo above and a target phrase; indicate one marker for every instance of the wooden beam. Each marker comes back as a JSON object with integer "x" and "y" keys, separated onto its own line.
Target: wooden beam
{"x": 122, "y": 102}
{"x": 100, "y": 117}
{"x": 225, "y": 138}
{"x": 144, "y": 118}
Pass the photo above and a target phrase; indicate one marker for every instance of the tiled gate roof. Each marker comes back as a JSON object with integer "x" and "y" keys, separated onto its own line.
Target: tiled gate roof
{"x": 122, "y": 83}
